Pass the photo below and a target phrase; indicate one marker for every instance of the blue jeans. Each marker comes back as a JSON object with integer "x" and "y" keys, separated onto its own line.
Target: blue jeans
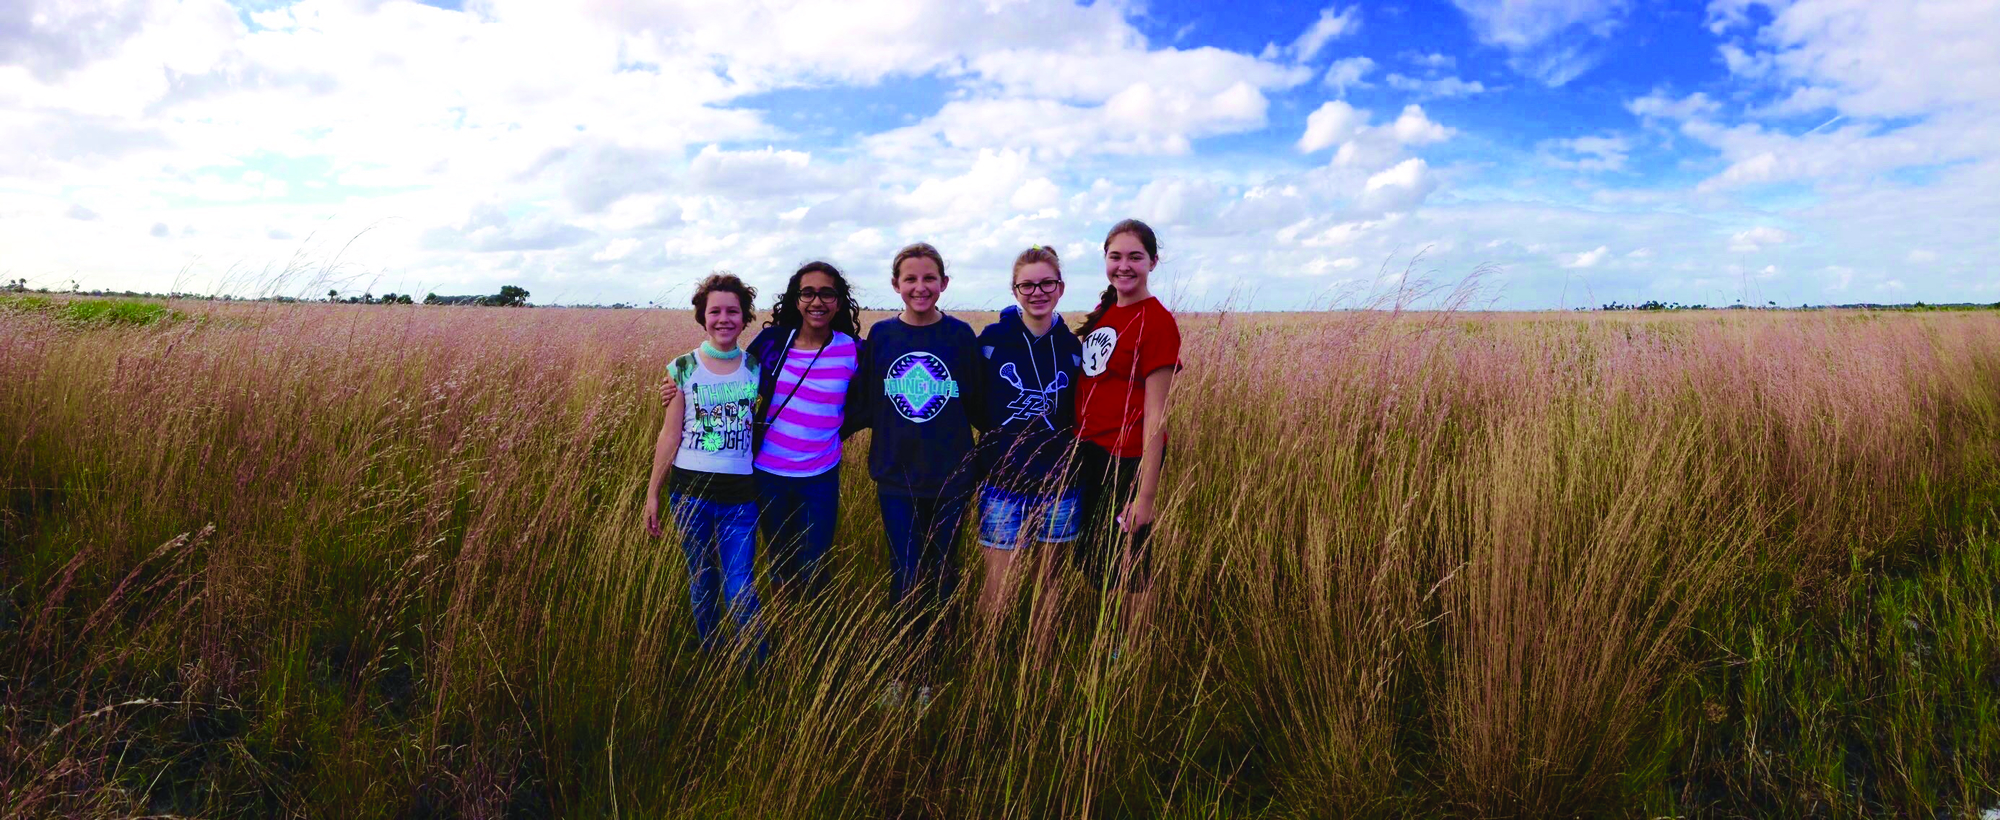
{"x": 720, "y": 542}
{"x": 923, "y": 533}
{"x": 797, "y": 516}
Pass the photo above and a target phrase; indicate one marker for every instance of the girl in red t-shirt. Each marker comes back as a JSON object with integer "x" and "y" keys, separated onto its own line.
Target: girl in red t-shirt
{"x": 1131, "y": 350}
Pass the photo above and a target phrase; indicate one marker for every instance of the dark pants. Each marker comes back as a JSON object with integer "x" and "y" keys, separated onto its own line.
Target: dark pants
{"x": 1108, "y": 483}
{"x": 798, "y": 516}
{"x": 923, "y": 572}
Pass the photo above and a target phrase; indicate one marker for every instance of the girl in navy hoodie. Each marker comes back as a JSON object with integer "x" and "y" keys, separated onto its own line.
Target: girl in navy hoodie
{"x": 921, "y": 388}
{"x": 1033, "y": 365}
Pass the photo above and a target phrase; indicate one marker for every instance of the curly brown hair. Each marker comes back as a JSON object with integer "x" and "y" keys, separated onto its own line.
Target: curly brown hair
{"x": 724, "y": 282}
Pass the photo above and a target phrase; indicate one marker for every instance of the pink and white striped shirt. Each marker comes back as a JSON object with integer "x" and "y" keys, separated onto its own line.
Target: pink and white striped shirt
{"x": 804, "y": 436}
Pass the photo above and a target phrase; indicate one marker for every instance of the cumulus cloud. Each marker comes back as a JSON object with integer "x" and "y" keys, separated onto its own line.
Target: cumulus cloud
{"x": 1333, "y": 123}
{"x": 1662, "y": 104}
{"x": 1436, "y": 86}
{"x": 1142, "y": 118}
{"x": 1552, "y": 41}
{"x": 1346, "y": 73}
{"x": 1586, "y": 259}
{"x": 1400, "y": 187}
{"x": 1867, "y": 58}
{"x": 1332, "y": 24}
{"x": 1757, "y": 238}
{"x": 647, "y": 142}
{"x": 1607, "y": 152}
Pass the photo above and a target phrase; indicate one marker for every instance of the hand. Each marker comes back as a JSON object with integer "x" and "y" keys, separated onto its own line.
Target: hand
{"x": 653, "y": 514}
{"x": 1137, "y": 514}
{"x": 668, "y": 390}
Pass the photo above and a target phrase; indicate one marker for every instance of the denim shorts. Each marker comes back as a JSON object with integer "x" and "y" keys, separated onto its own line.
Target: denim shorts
{"x": 1008, "y": 520}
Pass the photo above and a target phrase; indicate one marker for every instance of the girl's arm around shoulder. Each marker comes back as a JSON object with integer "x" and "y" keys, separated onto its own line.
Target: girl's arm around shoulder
{"x": 858, "y": 413}
{"x": 972, "y": 384}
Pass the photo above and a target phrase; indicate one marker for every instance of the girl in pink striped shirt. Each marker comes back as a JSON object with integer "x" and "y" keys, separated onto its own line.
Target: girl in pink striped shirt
{"x": 808, "y": 353}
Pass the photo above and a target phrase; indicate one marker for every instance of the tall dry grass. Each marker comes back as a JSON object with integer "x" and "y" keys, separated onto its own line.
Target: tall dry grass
{"x": 385, "y": 561}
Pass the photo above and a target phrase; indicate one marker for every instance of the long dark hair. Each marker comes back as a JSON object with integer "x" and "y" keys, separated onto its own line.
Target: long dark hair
{"x": 1147, "y": 240}
{"x": 846, "y": 315}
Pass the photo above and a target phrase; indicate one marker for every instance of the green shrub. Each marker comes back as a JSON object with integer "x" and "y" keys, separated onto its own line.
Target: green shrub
{"x": 95, "y": 311}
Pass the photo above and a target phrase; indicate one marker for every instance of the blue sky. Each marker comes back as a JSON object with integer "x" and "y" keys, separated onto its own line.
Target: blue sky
{"x": 1574, "y": 152}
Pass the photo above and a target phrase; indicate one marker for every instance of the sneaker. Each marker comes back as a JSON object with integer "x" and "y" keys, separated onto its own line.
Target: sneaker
{"x": 892, "y": 695}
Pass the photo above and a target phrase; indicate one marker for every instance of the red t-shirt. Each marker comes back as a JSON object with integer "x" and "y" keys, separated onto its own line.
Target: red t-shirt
{"x": 1128, "y": 343}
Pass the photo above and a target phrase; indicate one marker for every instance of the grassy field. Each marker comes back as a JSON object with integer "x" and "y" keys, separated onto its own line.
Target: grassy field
{"x": 366, "y": 561}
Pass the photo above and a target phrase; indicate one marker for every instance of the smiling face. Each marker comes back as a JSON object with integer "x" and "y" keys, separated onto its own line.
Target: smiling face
{"x": 723, "y": 319}
{"x": 818, "y": 298}
{"x": 1127, "y": 265}
{"x": 1037, "y": 286}
{"x": 919, "y": 282}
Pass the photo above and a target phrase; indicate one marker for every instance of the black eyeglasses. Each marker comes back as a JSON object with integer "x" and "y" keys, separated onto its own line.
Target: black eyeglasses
{"x": 1045, "y": 286}
{"x": 828, "y": 295}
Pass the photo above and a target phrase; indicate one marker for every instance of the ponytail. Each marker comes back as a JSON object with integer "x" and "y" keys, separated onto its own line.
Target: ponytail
{"x": 1104, "y": 303}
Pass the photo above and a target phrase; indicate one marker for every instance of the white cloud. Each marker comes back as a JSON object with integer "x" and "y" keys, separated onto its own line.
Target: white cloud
{"x": 1433, "y": 61}
{"x": 1525, "y": 23}
{"x": 1587, "y": 259}
{"x": 1436, "y": 86}
{"x": 1334, "y": 122}
{"x": 1346, "y": 73}
{"x": 1400, "y": 187}
{"x": 1036, "y": 194}
{"x": 1331, "y": 25}
{"x": 1664, "y": 105}
{"x": 616, "y": 249}
{"x": 1874, "y": 59}
{"x": 640, "y": 147}
{"x": 1412, "y": 127}
{"x": 1552, "y": 41}
{"x": 1141, "y": 119}
{"x": 1758, "y": 238}
{"x": 1607, "y": 152}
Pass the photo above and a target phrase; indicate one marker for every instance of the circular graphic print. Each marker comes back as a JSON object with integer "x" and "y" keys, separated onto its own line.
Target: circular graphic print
{"x": 1097, "y": 349}
{"x": 919, "y": 386}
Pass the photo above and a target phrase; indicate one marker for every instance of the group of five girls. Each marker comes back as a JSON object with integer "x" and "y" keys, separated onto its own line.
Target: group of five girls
{"x": 1070, "y": 446}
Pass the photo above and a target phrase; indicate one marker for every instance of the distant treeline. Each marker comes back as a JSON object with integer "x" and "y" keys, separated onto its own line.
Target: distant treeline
{"x": 514, "y": 296}
{"x": 1656, "y": 305}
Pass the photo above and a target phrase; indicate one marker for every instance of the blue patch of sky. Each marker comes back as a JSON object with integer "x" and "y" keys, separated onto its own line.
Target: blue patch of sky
{"x": 1923, "y": 175}
{"x": 1240, "y": 26}
{"x": 1779, "y": 197}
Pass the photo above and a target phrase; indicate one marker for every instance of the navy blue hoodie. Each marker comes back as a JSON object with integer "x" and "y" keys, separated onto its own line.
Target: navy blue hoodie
{"x": 922, "y": 390}
{"x": 1031, "y": 396}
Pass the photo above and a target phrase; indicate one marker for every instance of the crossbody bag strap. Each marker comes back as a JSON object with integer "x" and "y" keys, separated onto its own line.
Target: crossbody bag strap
{"x": 802, "y": 377}
{"x": 764, "y": 421}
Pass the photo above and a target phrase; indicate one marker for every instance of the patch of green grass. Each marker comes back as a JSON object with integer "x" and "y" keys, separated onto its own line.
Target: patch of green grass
{"x": 95, "y": 311}
{"x": 119, "y": 312}
{"x": 26, "y": 303}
